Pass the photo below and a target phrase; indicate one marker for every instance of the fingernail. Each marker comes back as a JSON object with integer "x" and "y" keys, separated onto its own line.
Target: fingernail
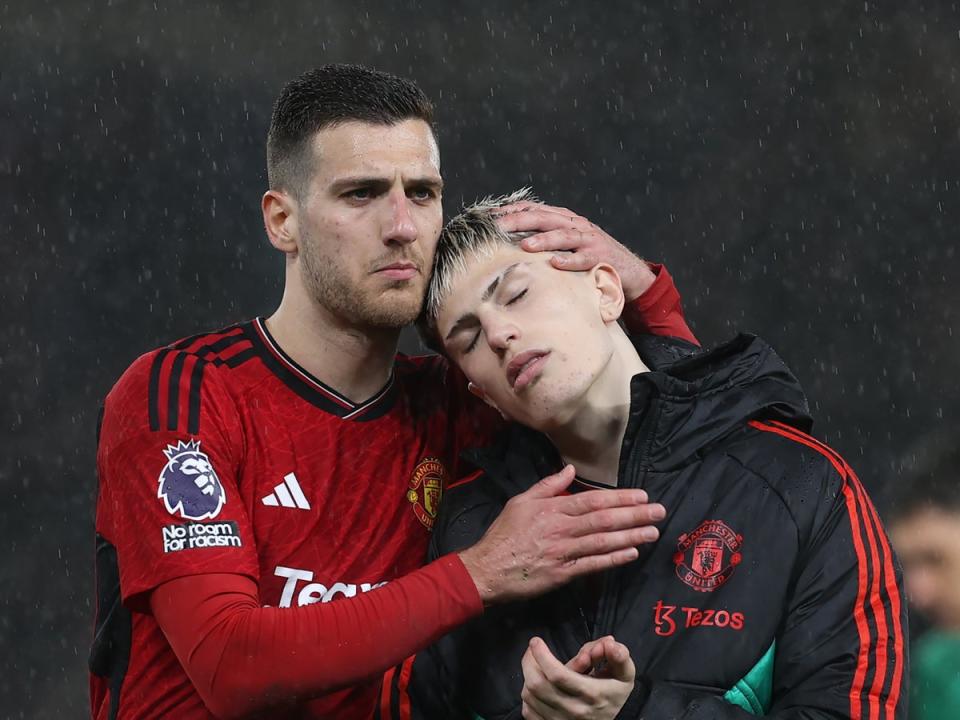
{"x": 658, "y": 512}
{"x": 532, "y": 244}
{"x": 651, "y": 533}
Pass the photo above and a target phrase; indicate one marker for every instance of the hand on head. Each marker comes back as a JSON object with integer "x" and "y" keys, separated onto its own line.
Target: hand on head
{"x": 582, "y": 243}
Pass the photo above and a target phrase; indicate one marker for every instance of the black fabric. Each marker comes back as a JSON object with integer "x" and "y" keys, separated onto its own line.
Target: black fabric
{"x": 781, "y": 506}
{"x": 110, "y": 651}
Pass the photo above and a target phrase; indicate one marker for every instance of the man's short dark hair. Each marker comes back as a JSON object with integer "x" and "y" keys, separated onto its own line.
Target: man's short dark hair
{"x": 931, "y": 479}
{"x": 327, "y": 96}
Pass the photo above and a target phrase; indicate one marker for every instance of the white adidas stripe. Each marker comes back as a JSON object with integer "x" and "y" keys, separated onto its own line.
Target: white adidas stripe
{"x": 287, "y": 494}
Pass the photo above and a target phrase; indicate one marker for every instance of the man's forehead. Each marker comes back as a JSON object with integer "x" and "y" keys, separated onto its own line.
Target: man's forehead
{"x": 357, "y": 145}
{"x": 480, "y": 274}
{"x": 481, "y": 269}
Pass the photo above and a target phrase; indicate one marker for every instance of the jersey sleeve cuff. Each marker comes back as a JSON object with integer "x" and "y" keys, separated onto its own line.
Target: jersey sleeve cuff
{"x": 458, "y": 583}
{"x": 653, "y": 297}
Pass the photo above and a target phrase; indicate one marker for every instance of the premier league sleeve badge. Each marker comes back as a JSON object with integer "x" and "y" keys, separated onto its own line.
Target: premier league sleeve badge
{"x": 188, "y": 484}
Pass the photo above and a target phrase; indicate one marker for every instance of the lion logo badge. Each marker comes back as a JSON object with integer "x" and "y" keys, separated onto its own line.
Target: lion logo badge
{"x": 188, "y": 484}
{"x": 426, "y": 489}
{"x": 707, "y": 557}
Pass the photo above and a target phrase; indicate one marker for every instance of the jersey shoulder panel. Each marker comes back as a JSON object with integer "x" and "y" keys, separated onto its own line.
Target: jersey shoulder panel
{"x": 430, "y": 373}
{"x": 433, "y": 385}
{"x": 170, "y": 450}
{"x": 165, "y": 389}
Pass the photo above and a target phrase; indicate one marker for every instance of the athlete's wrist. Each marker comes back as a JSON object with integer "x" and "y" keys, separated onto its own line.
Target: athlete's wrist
{"x": 479, "y": 571}
{"x": 637, "y": 278}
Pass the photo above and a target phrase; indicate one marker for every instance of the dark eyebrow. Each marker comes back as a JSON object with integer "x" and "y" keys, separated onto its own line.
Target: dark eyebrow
{"x": 470, "y": 318}
{"x": 492, "y": 287}
{"x": 381, "y": 183}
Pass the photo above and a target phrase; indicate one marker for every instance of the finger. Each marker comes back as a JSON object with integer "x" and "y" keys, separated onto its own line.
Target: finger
{"x": 565, "y": 680}
{"x": 583, "y": 661}
{"x": 589, "y": 564}
{"x": 598, "y": 655}
{"x": 591, "y": 500}
{"x": 603, "y": 543}
{"x": 526, "y": 205}
{"x": 552, "y": 485}
{"x": 568, "y": 239}
{"x": 537, "y": 691}
{"x": 574, "y": 262}
{"x": 619, "y": 663}
{"x": 542, "y": 220}
{"x": 529, "y": 713}
{"x": 618, "y": 518}
{"x": 541, "y": 708}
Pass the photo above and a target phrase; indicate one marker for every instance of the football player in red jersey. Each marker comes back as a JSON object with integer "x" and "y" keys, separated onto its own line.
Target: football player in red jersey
{"x": 250, "y": 477}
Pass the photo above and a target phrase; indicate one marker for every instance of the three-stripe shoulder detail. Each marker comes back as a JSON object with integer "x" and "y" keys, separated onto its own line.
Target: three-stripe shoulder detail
{"x": 877, "y": 609}
{"x": 177, "y": 374}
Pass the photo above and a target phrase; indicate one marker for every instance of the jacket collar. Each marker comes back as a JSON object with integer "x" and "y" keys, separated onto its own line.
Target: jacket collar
{"x": 685, "y": 404}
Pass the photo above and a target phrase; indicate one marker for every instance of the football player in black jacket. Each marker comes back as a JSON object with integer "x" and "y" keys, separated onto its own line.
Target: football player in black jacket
{"x": 772, "y": 590}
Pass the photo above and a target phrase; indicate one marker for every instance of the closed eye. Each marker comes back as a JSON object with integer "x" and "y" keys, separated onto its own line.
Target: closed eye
{"x": 473, "y": 343}
{"x": 516, "y": 297}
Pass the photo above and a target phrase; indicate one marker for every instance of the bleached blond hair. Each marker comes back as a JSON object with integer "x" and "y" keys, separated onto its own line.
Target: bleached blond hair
{"x": 470, "y": 236}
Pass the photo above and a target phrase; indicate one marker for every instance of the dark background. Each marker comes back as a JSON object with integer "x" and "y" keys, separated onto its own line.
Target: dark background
{"x": 794, "y": 163}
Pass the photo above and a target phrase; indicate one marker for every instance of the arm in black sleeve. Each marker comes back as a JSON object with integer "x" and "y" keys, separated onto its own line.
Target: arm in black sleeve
{"x": 841, "y": 650}
{"x": 432, "y": 683}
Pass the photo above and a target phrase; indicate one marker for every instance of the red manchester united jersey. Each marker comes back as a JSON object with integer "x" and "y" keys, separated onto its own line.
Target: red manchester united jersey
{"x": 219, "y": 454}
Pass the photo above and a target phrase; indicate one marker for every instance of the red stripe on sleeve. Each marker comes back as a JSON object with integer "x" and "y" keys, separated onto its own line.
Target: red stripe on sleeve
{"x": 863, "y": 630}
{"x": 893, "y": 592}
{"x": 385, "y": 692}
{"x": 890, "y": 585}
{"x": 405, "y": 671}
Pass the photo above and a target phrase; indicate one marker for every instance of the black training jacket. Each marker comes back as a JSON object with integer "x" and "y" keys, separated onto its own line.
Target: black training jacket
{"x": 772, "y": 590}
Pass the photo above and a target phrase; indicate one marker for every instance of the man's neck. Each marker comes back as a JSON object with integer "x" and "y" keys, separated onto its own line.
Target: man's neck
{"x": 356, "y": 362}
{"x": 592, "y": 437}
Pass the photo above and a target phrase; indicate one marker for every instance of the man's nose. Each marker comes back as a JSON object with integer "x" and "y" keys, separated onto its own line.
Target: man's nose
{"x": 400, "y": 227}
{"x": 501, "y": 334}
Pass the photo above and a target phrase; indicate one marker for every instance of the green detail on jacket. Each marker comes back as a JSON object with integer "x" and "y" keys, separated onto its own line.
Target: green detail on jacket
{"x": 754, "y": 691}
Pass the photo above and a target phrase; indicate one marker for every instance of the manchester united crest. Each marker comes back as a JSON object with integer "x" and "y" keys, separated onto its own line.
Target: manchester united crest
{"x": 707, "y": 557}
{"x": 426, "y": 489}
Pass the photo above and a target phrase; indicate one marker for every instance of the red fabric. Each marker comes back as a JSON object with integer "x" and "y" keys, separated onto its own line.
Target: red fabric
{"x": 370, "y": 477}
{"x": 658, "y": 310}
{"x": 242, "y": 657}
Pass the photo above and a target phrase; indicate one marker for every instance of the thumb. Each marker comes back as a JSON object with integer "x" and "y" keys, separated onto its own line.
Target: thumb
{"x": 552, "y": 485}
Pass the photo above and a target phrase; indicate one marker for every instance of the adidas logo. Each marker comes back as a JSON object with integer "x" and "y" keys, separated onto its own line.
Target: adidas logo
{"x": 287, "y": 494}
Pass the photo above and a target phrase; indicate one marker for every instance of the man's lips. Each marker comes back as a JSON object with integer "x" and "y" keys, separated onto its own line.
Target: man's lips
{"x": 398, "y": 271}
{"x": 524, "y": 368}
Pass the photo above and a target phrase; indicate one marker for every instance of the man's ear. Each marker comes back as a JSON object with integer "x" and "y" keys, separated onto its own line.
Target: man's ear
{"x": 478, "y": 391}
{"x": 280, "y": 220}
{"x": 610, "y": 292}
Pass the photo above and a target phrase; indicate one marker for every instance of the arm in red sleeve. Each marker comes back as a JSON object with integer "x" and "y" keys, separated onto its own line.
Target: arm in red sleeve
{"x": 657, "y": 311}
{"x": 242, "y": 657}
